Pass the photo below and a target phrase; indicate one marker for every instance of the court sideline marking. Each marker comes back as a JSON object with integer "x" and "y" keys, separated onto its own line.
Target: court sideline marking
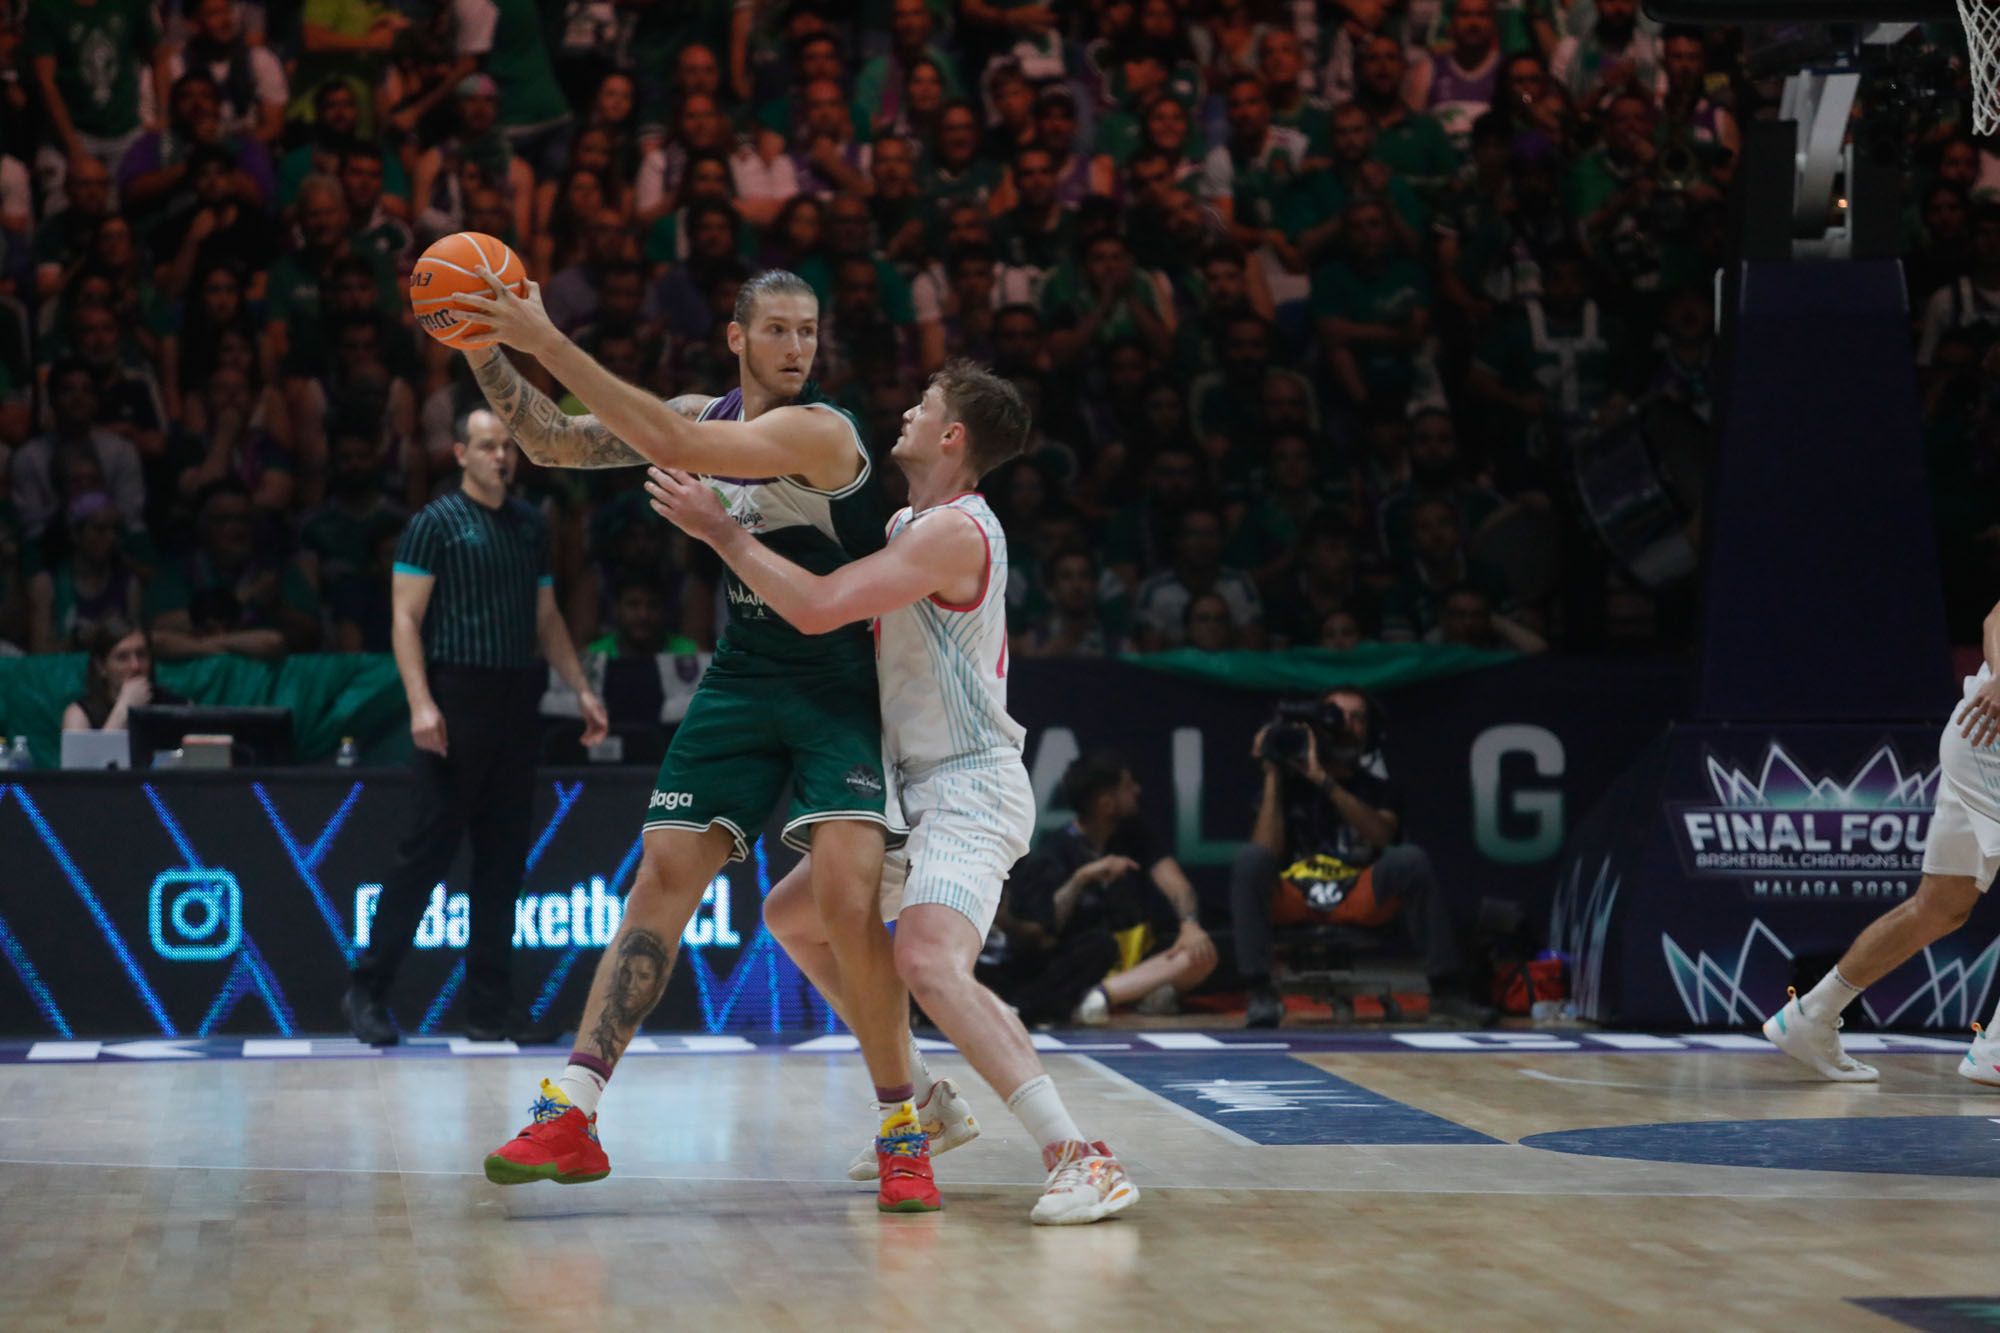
{"x": 1670, "y": 1088}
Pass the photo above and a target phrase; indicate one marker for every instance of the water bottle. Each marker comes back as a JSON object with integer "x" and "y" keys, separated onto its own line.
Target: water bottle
{"x": 18, "y": 758}
{"x": 349, "y": 755}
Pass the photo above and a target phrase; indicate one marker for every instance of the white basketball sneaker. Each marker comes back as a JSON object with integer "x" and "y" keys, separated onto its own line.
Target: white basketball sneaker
{"x": 1814, "y": 1043}
{"x": 1085, "y": 1184}
{"x": 947, "y": 1119}
{"x": 1981, "y": 1063}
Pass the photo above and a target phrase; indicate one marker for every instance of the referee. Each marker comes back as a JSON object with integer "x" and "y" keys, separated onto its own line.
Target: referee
{"x": 474, "y": 610}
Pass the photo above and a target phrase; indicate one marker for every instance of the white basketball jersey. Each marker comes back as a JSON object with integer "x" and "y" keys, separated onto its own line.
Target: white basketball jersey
{"x": 943, "y": 668}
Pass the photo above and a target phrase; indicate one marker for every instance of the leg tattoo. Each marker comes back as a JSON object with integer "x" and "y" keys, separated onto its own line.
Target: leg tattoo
{"x": 637, "y": 983}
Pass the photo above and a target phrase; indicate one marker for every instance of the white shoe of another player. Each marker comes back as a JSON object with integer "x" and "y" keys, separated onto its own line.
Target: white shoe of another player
{"x": 1814, "y": 1043}
{"x": 1981, "y": 1063}
{"x": 946, "y": 1117}
{"x": 1093, "y": 1011}
{"x": 1086, "y": 1184}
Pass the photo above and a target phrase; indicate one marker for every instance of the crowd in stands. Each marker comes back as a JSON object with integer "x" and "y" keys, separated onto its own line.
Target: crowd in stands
{"x": 1317, "y": 303}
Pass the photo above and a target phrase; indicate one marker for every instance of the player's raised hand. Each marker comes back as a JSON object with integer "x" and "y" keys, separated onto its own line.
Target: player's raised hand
{"x": 517, "y": 321}
{"x": 1979, "y": 717}
{"x": 688, "y": 503}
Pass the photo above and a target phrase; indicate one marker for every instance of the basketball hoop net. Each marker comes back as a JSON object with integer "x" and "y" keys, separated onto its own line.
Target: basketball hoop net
{"x": 1982, "y": 39}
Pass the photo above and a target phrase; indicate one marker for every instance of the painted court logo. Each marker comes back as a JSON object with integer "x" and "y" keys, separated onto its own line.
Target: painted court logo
{"x": 1787, "y": 834}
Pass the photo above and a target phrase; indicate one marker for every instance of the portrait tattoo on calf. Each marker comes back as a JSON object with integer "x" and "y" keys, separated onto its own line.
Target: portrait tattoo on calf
{"x": 637, "y": 983}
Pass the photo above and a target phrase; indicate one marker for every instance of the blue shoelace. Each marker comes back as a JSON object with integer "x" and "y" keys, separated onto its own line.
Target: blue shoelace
{"x": 545, "y": 1109}
{"x": 904, "y": 1143}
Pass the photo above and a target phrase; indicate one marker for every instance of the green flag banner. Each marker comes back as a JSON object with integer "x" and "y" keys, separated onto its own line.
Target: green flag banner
{"x": 331, "y": 695}
{"x": 1372, "y": 666}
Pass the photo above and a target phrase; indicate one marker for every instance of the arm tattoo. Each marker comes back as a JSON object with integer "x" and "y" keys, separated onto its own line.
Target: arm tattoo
{"x": 639, "y": 971}
{"x": 549, "y": 435}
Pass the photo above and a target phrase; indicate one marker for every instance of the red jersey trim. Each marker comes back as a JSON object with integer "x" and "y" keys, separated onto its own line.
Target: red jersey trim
{"x": 985, "y": 574}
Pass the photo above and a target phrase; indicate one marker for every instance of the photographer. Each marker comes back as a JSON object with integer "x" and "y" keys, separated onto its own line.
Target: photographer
{"x": 1324, "y": 849}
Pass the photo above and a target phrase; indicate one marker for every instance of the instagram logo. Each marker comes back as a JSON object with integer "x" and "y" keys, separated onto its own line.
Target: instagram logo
{"x": 195, "y": 916}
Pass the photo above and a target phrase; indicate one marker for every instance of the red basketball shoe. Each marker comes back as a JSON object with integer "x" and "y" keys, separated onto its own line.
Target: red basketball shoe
{"x": 903, "y": 1160}
{"x": 559, "y": 1144}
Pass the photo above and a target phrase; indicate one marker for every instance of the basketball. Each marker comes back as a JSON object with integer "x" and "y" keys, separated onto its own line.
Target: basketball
{"x": 451, "y": 268}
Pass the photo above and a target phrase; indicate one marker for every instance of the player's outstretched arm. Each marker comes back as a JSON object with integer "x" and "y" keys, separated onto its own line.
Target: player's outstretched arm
{"x": 791, "y": 441}
{"x": 546, "y": 433}
{"x": 938, "y": 557}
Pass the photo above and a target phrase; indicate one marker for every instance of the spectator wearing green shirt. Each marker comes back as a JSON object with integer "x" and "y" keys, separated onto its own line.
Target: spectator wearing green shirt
{"x": 1438, "y": 566}
{"x": 336, "y": 126}
{"x": 670, "y": 239}
{"x": 1373, "y": 312}
{"x": 506, "y": 37}
{"x": 1108, "y": 300}
{"x": 954, "y": 170}
{"x": 1310, "y": 214}
{"x": 1243, "y": 178}
{"x": 878, "y": 88}
{"x": 67, "y": 230}
{"x": 1157, "y": 121}
{"x": 226, "y": 596}
{"x": 1226, "y": 404}
{"x": 1410, "y": 143}
{"x": 896, "y": 201}
{"x": 1437, "y": 470}
{"x": 1038, "y": 230}
{"x": 294, "y": 307}
{"x": 337, "y": 540}
{"x": 86, "y": 56}
{"x": 381, "y": 226}
{"x": 1281, "y": 62}
{"x": 848, "y": 228}
{"x": 1077, "y": 617}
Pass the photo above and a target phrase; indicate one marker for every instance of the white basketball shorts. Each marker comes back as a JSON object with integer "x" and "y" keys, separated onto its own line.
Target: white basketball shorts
{"x": 968, "y": 826}
{"x": 1965, "y": 830}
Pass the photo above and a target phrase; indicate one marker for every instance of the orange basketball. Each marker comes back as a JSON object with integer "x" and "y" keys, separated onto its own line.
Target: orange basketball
{"x": 451, "y": 267}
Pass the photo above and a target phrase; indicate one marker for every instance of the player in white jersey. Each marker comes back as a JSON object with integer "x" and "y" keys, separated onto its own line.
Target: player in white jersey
{"x": 937, "y": 594}
{"x": 1960, "y": 858}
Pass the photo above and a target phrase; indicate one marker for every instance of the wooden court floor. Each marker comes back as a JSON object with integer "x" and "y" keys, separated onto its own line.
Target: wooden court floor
{"x": 346, "y": 1194}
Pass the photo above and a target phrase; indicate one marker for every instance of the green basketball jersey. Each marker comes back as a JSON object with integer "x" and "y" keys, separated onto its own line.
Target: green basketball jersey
{"x": 815, "y": 529}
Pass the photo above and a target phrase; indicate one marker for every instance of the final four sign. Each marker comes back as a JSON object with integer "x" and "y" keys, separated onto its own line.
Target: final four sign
{"x": 1785, "y": 833}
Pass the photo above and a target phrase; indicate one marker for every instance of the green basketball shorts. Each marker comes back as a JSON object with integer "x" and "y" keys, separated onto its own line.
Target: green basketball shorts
{"x": 746, "y": 735}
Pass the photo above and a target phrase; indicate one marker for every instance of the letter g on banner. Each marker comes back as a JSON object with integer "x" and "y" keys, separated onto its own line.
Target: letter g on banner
{"x": 1525, "y": 823}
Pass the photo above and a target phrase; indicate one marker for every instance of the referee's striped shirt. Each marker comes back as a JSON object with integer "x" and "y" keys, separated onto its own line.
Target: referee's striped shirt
{"x": 488, "y": 564}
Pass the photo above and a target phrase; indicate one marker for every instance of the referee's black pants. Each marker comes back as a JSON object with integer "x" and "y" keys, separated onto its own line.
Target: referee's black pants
{"x": 485, "y": 784}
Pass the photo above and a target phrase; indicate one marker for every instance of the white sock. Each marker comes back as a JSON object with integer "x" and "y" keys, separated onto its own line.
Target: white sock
{"x": 1039, "y": 1108}
{"x": 1824, "y": 1002}
{"x": 920, "y": 1073}
{"x": 582, "y": 1086}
